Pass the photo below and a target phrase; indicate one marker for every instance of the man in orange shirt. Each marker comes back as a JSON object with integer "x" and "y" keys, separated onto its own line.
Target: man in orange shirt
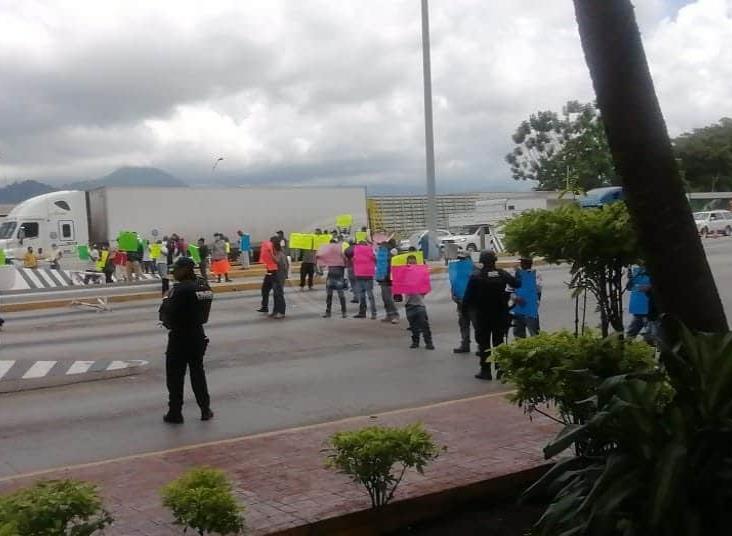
{"x": 266, "y": 257}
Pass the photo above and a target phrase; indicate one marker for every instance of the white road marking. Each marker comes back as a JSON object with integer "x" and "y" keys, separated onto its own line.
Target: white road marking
{"x": 79, "y": 367}
{"x": 116, "y": 365}
{"x": 5, "y": 366}
{"x": 39, "y": 369}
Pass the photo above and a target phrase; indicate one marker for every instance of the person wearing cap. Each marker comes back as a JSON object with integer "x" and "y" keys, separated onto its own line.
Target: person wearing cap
{"x": 526, "y": 299}
{"x": 183, "y": 312}
{"x": 486, "y": 301}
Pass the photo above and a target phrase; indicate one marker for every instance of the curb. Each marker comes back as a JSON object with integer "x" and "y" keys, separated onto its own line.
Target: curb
{"x": 38, "y": 374}
{"x": 401, "y": 514}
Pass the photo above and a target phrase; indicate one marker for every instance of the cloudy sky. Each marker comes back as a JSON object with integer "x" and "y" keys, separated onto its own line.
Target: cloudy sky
{"x": 317, "y": 91}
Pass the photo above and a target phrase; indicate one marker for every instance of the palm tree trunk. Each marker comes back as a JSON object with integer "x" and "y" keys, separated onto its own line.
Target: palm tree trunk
{"x": 644, "y": 159}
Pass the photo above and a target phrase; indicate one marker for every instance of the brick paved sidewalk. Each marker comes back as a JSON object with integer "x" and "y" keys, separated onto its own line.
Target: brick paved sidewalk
{"x": 281, "y": 478}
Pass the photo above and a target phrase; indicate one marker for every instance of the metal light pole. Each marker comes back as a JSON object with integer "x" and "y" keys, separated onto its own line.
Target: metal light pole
{"x": 428, "y": 132}
{"x": 213, "y": 168}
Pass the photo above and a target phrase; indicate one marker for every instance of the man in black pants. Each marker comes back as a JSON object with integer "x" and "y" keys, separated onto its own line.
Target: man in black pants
{"x": 486, "y": 301}
{"x": 184, "y": 312}
{"x": 307, "y": 268}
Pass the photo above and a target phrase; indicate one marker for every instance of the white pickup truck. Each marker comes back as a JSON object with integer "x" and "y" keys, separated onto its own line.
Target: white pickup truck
{"x": 471, "y": 239}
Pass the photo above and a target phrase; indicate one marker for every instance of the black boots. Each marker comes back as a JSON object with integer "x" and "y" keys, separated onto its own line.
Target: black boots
{"x": 206, "y": 414}
{"x": 173, "y": 418}
{"x": 415, "y": 342}
{"x": 485, "y": 365}
{"x": 485, "y": 372}
{"x": 462, "y": 349}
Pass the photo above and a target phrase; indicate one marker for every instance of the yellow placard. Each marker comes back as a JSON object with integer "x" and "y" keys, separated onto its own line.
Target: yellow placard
{"x": 321, "y": 240}
{"x": 301, "y": 241}
{"x": 155, "y": 250}
{"x": 345, "y": 246}
{"x": 362, "y": 236}
{"x": 401, "y": 260}
{"x": 344, "y": 221}
{"x": 102, "y": 260}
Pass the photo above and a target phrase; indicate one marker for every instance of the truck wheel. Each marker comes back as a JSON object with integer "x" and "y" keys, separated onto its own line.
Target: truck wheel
{"x": 704, "y": 232}
{"x": 728, "y": 231}
{"x": 471, "y": 248}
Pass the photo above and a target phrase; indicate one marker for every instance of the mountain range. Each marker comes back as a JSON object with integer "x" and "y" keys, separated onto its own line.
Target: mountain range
{"x": 126, "y": 176}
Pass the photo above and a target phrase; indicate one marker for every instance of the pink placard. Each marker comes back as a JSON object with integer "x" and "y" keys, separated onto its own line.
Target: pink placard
{"x": 411, "y": 279}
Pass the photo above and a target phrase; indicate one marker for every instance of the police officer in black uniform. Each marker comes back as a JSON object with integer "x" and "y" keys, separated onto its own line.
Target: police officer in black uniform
{"x": 486, "y": 301}
{"x": 184, "y": 312}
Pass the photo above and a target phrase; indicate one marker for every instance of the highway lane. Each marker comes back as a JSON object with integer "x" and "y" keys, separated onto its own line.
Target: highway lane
{"x": 263, "y": 374}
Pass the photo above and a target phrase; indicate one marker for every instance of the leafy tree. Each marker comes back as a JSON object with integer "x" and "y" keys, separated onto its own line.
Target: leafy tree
{"x": 599, "y": 244}
{"x": 644, "y": 158}
{"x": 378, "y": 457}
{"x": 202, "y": 500}
{"x": 567, "y": 152}
{"x": 53, "y": 508}
{"x": 706, "y": 157}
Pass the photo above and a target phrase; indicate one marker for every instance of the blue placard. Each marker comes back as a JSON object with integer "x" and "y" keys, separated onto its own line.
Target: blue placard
{"x": 528, "y": 293}
{"x": 639, "y": 302}
{"x": 459, "y": 272}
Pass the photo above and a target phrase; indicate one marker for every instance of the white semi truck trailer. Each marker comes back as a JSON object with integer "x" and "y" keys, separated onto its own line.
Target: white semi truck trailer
{"x": 69, "y": 218}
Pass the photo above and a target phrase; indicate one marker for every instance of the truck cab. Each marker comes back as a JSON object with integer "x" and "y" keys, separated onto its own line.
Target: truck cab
{"x": 56, "y": 218}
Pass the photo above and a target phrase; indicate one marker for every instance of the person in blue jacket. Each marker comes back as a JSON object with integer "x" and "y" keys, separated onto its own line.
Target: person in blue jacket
{"x": 639, "y": 285}
{"x": 384, "y": 254}
{"x": 526, "y": 299}
{"x": 459, "y": 271}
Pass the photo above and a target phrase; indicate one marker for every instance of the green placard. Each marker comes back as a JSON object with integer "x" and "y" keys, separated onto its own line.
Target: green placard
{"x": 301, "y": 241}
{"x": 127, "y": 241}
{"x": 344, "y": 221}
{"x": 2, "y": 257}
{"x": 83, "y": 251}
{"x": 194, "y": 253}
{"x": 320, "y": 240}
{"x": 361, "y": 236}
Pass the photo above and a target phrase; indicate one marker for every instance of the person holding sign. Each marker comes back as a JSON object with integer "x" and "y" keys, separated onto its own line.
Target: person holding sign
{"x": 364, "y": 268}
{"x": 419, "y": 322}
{"x": 307, "y": 265}
{"x": 162, "y": 265}
{"x": 331, "y": 256}
{"x": 459, "y": 271}
{"x": 526, "y": 300}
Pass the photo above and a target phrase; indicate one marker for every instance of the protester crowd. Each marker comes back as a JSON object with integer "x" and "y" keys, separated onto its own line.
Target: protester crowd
{"x": 489, "y": 300}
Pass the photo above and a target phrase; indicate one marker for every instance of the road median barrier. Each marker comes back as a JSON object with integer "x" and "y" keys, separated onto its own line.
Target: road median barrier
{"x": 25, "y": 375}
{"x": 252, "y": 282}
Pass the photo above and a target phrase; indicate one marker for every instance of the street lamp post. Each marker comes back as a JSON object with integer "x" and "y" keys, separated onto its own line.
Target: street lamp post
{"x": 216, "y": 163}
{"x": 428, "y": 130}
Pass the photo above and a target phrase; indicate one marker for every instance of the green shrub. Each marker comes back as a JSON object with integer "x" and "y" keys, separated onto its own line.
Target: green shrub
{"x": 667, "y": 463}
{"x": 202, "y": 500}
{"x": 378, "y": 457}
{"x": 598, "y": 244}
{"x": 561, "y": 370}
{"x": 53, "y": 508}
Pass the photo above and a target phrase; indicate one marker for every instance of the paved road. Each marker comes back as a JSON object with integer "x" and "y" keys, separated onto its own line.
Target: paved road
{"x": 263, "y": 374}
